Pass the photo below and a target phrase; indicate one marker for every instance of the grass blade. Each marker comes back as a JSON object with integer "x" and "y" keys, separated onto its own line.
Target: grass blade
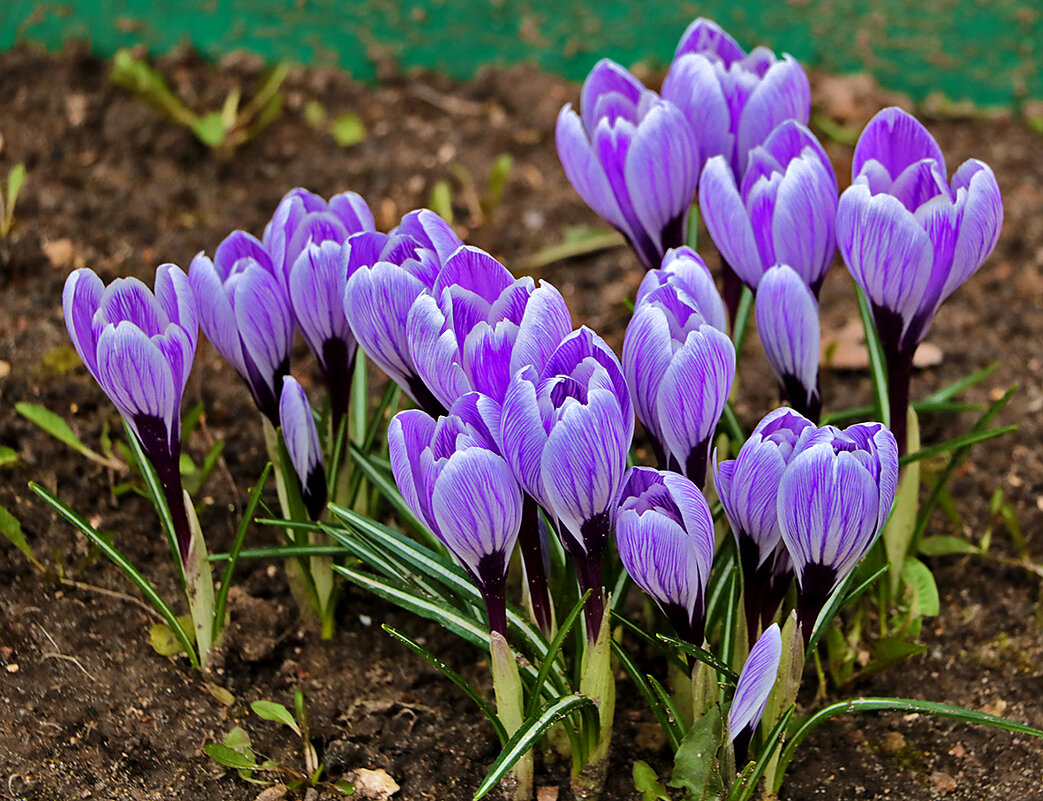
{"x": 670, "y": 727}
{"x": 60, "y": 430}
{"x": 953, "y": 444}
{"x": 121, "y": 562}
{"x": 704, "y": 656}
{"x": 828, "y": 612}
{"x": 283, "y": 552}
{"x": 857, "y": 592}
{"x": 386, "y": 487}
{"x": 552, "y": 652}
{"x": 746, "y": 786}
{"x": 965, "y": 383}
{"x": 877, "y": 362}
{"x": 454, "y": 677}
{"x": 742, "y": 320}
{"x": 659, "y": 645}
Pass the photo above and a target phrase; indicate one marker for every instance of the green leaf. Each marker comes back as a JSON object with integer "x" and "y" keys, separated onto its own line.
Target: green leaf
{"x": 386, "y": 486}
{"x": 526, "y": 737}
{"x": 729, "y": 675}
{"x": 920, "y": 580}
{"x": 7, "y": 455}
{"x": 691, "y": 234}
{"x": 121, "y": 562}
{"x": 196, "y": 480}
{"x": 877, "y": 362}
{"x": 828, "y": 612}
{"x": 578, "y": 242}
{"x": 60, "y": 430}
{"x": 552, "y": 652}
{"x": 498, "y": 180}
{"x": 957, "y": 443}
{"x": 210, "y": 129}
{"x": 348, "y": 130}
{"x": 238, "y": 740}
{"x": 277, "y": 713}
{"x": 742, "y": 319}
{"x": 344, "y": 787}
{"x": 15, "y": 179}
{"x": 885, "y": 653}
{"x": 697, "y": 768}
{"x": 647, "y": 782}
{"x": 165, "y": 641}
{"x": 744, "y": 788}
{"x": 454, "y": 677}
{"x": 943, "y": 545}
{"x": 965, "y": 383}
{"x": 860, "y": 590}
{"x": 669, "y": 725}
{"x": 441, "y": 200}
{"x": 12, "y": 530}
{"x": 229, "y": 757}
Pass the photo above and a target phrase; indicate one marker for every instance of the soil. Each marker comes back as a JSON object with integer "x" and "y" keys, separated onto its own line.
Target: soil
{"x": 91, "y": 711}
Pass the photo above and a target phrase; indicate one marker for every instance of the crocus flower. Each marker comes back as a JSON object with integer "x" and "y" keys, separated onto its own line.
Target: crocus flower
{"x": 302, "y": 444}
{"x": 685, "y": 269}
{"x": 910, "y": 238}
{"x": 633, "y": 158}
{"x": 755, "y": 683}
{"x": 566, "y": 433}
{"x": 245, "y": 313}
{"x": 139, "y": 347}
{"x": 833, "y": 500}
{"x": 782, "y": 209}
{"x": 479, "y": 326}
{"x": 680, "y": 370}
{"x": 316, "y": 290}
{"x": 386, "y": 273}
{"x": 748, "y": 487}
{"x": 452, "y": 478}
{"x": 664, "y": 533}
{"x": 302, "y": 217}
{"x": 787, "y": 321}
{"x": 733, "y": 100}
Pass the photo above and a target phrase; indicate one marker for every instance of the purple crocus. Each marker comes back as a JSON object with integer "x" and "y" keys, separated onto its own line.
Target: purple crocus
{"x": 748, "y": 487}
{"x": 633, "y": 158}
{"x": 910, "y": 238}
{"x": 686, "y": 270}
{"x": 732, "y": 99}
{"x": 664, "y": 533}
{"x": 302, "y": 217}
{"x": 479, "y": 326}
{"x": 302, "y": 444}
{"x": 781, "y": 210}
{"x": 566, "y": 433}
{"x": 787, "y": 321}
{"x": 139, "y": 347}
{"x": 833, "y": 500}
{"x": 452, "y": 478}
{"x": 385, "y": 274}
{"x": 756, "y": 681}
{"x": 680, "y": 370}
{"x": 245, "y": 313}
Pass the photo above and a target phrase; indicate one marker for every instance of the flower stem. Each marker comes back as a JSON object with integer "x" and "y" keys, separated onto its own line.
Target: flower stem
{"x": 535, "y": 569}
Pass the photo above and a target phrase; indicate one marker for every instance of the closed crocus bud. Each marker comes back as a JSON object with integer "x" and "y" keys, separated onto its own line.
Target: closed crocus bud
{"x": 733, "y": 100}
{"x": 748, "y": 487}
{"x": 664, "y": 533}
{"x": 685, "y": 269}
{"x": 910, "y": 238}
{"x": 246, "y": 315}
{"x": 139, "y": 347}
{"x": 633, "y": 158}
{"x": 385, "y": 274}
{"x": 787, "y": 321}
{"x": 833, "y": 500}
{"x": 316, "y": 289}
{"x": 302, "y": 217}
{"x": 755, "y": 683}
{"x": 453, "y": 479}
{"x": 478, "y": 326}
{"x": 782, "y": 210}
{"x": 566, "y": 433}
{"x": 680, "y": 371}
{"x": 302, "y": 443}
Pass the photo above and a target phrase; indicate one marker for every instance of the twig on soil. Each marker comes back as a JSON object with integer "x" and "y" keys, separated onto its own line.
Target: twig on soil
{"x": 80, "y": 585}
{"x": 456, "y": 106}
{"x": 56, "y": 654}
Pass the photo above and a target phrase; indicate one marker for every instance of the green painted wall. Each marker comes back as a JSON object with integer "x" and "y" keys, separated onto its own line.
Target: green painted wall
{"x": 988, "y": 51}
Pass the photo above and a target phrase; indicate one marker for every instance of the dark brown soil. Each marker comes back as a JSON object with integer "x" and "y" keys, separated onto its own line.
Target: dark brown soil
{"x": 90, "y": 711}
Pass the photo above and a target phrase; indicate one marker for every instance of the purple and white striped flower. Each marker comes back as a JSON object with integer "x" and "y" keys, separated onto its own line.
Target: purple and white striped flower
{"x": 748, "y": 488}
{"x": 566, "y": 432}
{"x": 910, "y": 238}
{"x": 479, "y": 326}
{"x": 633, "y": 158}
{"x": 385, "y": 274}
{"x": 680, "y": 370}
{"x": 788, "y": 324}
{"x": 732, "y": 99}
{"x": 686, "y": 270}
{"x": 756, "y": 681}
{"x": 782, "y": 210}
{"x": 833, "y": 500}
{"x": 139, "y": 347}
{"x": 302, "y": 444}
{"x": 452, "y": 477}
{"x": 246, "y": 315}
{"x": 664, "y": 533}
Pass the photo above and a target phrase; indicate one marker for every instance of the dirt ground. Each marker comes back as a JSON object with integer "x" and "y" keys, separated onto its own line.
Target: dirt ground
{"x": 90, "y": 711}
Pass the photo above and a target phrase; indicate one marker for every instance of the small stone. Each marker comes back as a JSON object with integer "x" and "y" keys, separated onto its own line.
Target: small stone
{"x": 958, "y": 751}
{"x": 943, "y": 782}
{"x": 274, "y": 793}
{"x": 59, "y": 252}
{"x": 12, "y": 668}
{"x": 997, "y": 707}
{"x": 547, "y": 793}
{"x": 894, "y": 742}
{"x": 375, "y": 785}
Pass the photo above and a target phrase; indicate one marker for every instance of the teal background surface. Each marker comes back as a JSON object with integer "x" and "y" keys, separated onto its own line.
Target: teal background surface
{"x": 986, "y": 51}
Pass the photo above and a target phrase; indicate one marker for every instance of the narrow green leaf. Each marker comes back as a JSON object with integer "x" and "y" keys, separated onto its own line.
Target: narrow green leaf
{"x": 7, "y": 455}
{"x": 228, "y": 757}
{"x": 744, "y": 789}
{"x": 441, "y": 200}
{"x": 120, "y": 561}
{"x": 590, "y": 240}
{"x": 498, "y": 180}
{"x": 731, "y": 426}
{"x": 858, "y": 591}
{"x": 344, "y": 787}
{"x": 526, "y": 737}
{"x": 659, "y": 645}
{"x": 666, "y": 701}
{"x": 552, "y": 652}
{"x": 943, "y": 545}
{"x": 828, "y": 612}
{"x": 959, "y": 442}
{"x": 965, "y": 383}
{"x": 729, "y": 675}
{"x": 920, "y": 580}
{"x": 282, "y": 552}
{"x": 691, "y": 231}
{"x": 386, "y": 487}
{"x": 277, "y": 713}
{"x": 922, "y": 408}
{"x": 12, "y": 530}
{"x": 877, "y": 362}
{"x": 60, "y": 430}
{"x": 15, "y": 180}
{"x": 454, "y": 677}
{"x": 670, "y": 728}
